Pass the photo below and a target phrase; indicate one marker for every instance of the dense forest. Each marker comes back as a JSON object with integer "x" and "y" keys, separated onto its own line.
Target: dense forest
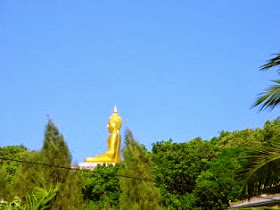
{"x": 198, "y": 173}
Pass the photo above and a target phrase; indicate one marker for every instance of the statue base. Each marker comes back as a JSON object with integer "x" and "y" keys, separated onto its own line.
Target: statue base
{"x": 91, "y": 166}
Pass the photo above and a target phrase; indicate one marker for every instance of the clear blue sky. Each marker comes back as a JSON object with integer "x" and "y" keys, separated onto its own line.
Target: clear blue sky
{"x": 175, "y": 69}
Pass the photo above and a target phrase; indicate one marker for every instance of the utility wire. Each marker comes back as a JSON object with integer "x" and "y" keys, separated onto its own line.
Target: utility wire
{"x": 81, "y": 170}
{"x": 68, "y": 168}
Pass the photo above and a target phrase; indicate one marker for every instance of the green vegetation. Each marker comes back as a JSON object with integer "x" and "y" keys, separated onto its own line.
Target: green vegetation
{"x": 204, "y": 174}
{"x": 139, "y": 193}
{"x": 262, "y": 174}
{"x": 101, "y": 189}
{"x": 271, "y": 97}
{"x": 196, "y": 174}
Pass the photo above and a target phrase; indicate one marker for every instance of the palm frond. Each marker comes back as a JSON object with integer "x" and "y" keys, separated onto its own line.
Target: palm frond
{"x": 41, "y": 198}
{"x": 263, "y": 169}
{"x": 270, "y": 98}
{"x": 275, "y": 61}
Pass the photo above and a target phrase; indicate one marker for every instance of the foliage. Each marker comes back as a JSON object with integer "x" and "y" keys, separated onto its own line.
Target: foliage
{"x": 263, "y": 169}
{"x": 70, "y": 193}
{"x": 5, "y": 187}
{"x": 270, "y": 98}
{"x": 139, "y": 192}
{"x": 15, "y": 204}
{"x": 55, "y": 152}
{"x": 177, "y": 166}
{"x": 273, "y": 62}
{"x": 9, "y": 168}
{"x": 41, "y": 198}
{"x": 220, "y": 183}
{"x": 194, "y": 174}
{"x": 11, "y": 152}
{"x": 30, "y": 177}
{"x": 101, "y": 188}
{"x": 262, "y": 172}
{"x": 246, "y": 138}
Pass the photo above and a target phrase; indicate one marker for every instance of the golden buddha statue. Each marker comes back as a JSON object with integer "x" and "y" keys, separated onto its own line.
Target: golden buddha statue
{"x": 113, "y": 154}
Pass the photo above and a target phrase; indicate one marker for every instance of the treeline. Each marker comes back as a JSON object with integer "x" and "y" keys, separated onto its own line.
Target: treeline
{"x": 205, "y": 174}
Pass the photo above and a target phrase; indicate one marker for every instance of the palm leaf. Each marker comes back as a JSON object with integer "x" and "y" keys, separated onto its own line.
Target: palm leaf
{"x": 270, "y": 98}
{"x": 272, "y": 63}
{"x": 41, "y": 198}
{"x": 263, "y": 169}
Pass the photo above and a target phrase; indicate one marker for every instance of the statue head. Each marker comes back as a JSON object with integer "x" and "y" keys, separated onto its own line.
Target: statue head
{"x": 115, "y": 121}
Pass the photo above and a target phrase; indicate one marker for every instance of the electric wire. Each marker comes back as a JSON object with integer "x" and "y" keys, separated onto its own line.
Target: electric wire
{"x": 69, "y": 168}
{"x": 81, "y": 170}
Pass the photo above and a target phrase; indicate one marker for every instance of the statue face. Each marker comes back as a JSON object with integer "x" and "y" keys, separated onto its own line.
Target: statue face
{"x": 111, "y": 126}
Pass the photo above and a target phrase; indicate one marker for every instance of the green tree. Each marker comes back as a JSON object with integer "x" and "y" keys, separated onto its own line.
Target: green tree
{"x": 220, "y": 183}
{"x": 9, "y": 168}
{"x": 101, "y": 188}
{"x": 31, "y": 177}
{"x": 12, "y": 152}
{"x": 264, "y": 163}
{"x": 70, "y": 195}
{"x": 246, "y": 138}
{"x": 177, "y": 166}
{"x": 55, "y": 152}
{"x": 139, "y": 193}
{"x": 271, "y": 97}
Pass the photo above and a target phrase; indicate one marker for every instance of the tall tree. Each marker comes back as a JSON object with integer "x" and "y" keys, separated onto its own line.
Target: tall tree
{"x": 55, "y": 151}
{"x": 264, "y": 163}
{"x": 139, "y": 192}
{"x": 31, "y": 177}
{"x": 271, "y": 97}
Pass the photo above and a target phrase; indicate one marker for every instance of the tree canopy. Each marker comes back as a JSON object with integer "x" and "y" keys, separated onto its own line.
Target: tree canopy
{"x": 198, "y": 173}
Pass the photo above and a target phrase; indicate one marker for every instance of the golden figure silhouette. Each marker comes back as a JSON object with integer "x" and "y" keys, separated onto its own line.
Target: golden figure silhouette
{"x": 113, "y": 154}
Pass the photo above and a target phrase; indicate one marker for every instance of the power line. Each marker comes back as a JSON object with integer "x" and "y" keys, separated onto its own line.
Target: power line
{"x": 69, "y": 168}
{"x": 82, "y": 170}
